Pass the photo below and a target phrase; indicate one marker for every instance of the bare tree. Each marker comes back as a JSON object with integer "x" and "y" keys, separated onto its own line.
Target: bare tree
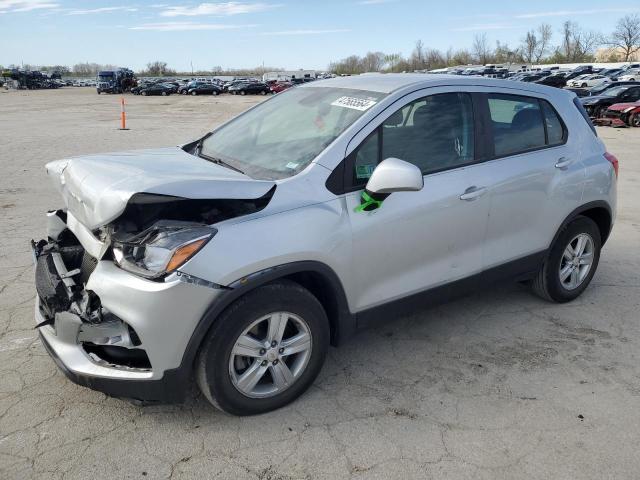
{"x": 578, "y": 45}
{"x": 461, "y": 57}
{"x": 417, "y": 56}
{"x": 392, "y": 59}
{"x": 434, "y": 59}
{"x": 529, "y": 46}
{"x": 481, "y": 48}
{"x": 543, "y": 41}
{"x": 626, "y": 36}
{"x": 504, "y": 54}
{"x": 158, "y": 68}
{"x": 373, "y": 62}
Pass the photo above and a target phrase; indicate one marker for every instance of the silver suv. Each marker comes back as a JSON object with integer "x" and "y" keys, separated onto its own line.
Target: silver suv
{"x": 238, "y": 258}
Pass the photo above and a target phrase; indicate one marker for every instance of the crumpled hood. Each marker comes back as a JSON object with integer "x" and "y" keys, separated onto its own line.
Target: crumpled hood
{"x": 624, "y": 106}
{"x": 96, "y": 188}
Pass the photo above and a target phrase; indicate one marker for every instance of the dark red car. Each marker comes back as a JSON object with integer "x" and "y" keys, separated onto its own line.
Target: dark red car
{"x": 624, "y": 113}
{"x": 280, "y": 87}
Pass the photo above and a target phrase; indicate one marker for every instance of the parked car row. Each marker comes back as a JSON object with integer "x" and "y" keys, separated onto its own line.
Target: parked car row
{"x": 582, "y": 80}
{"x": 244, "y": 86}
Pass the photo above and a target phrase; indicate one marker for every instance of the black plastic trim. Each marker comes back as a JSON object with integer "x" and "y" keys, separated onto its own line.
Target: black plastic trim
{"x": 520, "y": 269}
{"x": 581, "y": 209}
{"x": 343, "y": 326}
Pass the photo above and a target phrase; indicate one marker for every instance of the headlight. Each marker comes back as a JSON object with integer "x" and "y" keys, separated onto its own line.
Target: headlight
{"x": 160, "y": 249}
{"x": 627, "y": 110}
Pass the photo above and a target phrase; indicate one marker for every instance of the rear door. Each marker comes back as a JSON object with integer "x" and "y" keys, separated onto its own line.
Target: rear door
{"x": 535, "y": 177}
{"x": 418, "y": 240}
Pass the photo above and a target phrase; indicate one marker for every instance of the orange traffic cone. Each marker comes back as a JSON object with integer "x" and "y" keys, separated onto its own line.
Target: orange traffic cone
{"x": 123, "y": 115}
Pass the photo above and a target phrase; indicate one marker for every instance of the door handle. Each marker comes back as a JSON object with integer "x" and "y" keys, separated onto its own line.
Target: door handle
{"x": 563, "y": 162}
{"x": 472, "y": 193}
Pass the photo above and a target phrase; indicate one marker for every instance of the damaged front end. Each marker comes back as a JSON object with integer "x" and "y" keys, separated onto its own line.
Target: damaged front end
{"x": 112, "y": 303}
{"x": 75, "y": 313}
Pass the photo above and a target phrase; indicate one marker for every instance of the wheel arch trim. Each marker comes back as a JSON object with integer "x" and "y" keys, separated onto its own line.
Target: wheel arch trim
{"x": 342, "y": 321}
{"x": 598, "y": 204}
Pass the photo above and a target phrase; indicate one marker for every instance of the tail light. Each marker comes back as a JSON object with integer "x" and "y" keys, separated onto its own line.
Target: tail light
{"x": 613, "y": 160}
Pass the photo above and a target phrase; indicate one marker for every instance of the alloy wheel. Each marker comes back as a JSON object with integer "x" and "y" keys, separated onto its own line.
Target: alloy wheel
{"x": 270, "y": 355}
{"x": 576, "y": 261}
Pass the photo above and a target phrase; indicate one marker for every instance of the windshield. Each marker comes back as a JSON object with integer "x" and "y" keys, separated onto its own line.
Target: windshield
{"x": 105, "y": 77}
{"x": 614, "y": 92}
{"x": 280, "y": 137}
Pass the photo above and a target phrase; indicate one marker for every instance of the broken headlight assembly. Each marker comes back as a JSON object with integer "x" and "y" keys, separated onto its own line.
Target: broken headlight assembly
{"x": 161, "y": 249}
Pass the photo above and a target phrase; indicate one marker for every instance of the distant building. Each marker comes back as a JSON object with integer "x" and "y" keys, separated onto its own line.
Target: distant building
{"x": 289, "y": 75}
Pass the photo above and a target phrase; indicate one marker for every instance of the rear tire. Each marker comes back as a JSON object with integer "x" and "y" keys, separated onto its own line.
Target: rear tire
{"x": 217, "y": 359}
{"x": 214, "y": 93}
{"x": 242, "y": 92}
{"x": 194, "y": 93}
{"x": 549, "y": 283}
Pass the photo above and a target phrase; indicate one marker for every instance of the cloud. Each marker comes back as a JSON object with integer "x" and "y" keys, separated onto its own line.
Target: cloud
{"x": 485, "y": 26}
{"x": 223, "y": 9}
{"x": 102, "y": 10}
{"x": 186, "y": 26}
{"x": 568, "y": 13}
{"x": 9, "y": 6}
{"x": 306, "y": 32}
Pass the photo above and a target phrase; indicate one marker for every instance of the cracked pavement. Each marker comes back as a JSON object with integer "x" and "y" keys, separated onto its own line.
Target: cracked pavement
{"x": 497, "y": 385}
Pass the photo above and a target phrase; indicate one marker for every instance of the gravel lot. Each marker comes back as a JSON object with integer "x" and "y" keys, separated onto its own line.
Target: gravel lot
{"x": 499, "y": 385}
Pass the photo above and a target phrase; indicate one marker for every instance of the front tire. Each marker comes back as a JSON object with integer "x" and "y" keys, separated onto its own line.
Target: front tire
{"x": 265, "y": 350}
{"x": 214, "y": 93}
{"x": 571, "y": 263}
{"x": 634, "y": 120}
{"x": 242, "y": 92}
{"x": 194, "y": 93}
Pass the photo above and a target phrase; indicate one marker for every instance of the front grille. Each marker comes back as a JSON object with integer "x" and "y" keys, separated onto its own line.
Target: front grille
{"x": 50, "y": 288}
{"x": 87, "y": 267}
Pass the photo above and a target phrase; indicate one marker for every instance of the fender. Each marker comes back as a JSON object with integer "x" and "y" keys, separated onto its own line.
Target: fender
{"x": 343, "y": 322}
{"x": 581, "y": 209}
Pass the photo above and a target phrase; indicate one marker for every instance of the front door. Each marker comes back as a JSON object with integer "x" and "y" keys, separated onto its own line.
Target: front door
{"x": 419, "y": 240}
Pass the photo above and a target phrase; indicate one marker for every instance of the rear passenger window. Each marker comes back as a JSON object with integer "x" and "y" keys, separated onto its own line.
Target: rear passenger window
{"x": 553, "y": 124}
{"x": 517, "y": 124}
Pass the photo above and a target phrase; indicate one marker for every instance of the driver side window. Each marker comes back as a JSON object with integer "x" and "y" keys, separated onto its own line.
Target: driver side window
{"x": 434, "y": 133}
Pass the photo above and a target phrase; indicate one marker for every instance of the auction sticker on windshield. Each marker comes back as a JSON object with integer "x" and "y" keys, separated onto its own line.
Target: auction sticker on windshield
{"x": 354, "y": 103}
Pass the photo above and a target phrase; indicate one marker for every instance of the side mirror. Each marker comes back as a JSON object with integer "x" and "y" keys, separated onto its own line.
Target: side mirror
{"x": 391, "y": 175}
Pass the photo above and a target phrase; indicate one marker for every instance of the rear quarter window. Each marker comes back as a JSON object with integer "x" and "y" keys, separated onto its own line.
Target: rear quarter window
{"x": 556, "y": 131}
{"x": 576, "y": 102}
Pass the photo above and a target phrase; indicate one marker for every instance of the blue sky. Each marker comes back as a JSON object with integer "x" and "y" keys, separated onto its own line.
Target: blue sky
{"x": 286, "y": 33}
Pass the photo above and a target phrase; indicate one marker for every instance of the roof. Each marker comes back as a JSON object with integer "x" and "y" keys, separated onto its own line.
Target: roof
{"x": 390, "y": 82}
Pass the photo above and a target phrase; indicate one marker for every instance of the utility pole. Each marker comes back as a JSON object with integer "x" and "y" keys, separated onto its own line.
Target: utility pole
{"x": 191, "y": 67}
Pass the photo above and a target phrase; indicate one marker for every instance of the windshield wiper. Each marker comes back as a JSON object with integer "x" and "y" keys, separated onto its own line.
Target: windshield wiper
{"x": 219, "y": 161}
